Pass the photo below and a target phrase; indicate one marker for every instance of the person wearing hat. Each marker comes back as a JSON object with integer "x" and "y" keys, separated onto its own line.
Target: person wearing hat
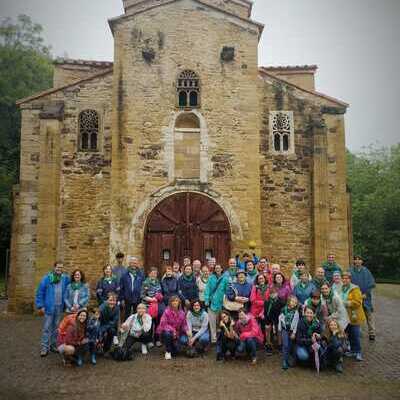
{"x": 362, "y": 277}
{"x": 240, "y": 290}
{"x": 119, "y": 269}
{"x": 131, "y": 287}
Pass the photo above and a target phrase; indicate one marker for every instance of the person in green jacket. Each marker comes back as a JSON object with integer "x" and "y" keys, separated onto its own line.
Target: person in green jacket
{"x": 216, "y": 288}
{"x": 330, "y": 266}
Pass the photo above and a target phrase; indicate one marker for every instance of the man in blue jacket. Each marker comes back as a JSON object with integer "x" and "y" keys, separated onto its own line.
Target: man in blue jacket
{"x": 49, "y": 301}
{"x": 131, "y": 287}
{"x": 362, "y": 277}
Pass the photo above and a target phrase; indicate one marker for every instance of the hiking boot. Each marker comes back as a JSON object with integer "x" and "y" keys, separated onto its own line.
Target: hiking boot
{"x": 150, "y": 345}
{"x": 168, "y": 356}
{"x": 359, "y": 357}
{"x": 93, "y": 359}
{"x": 43, "y": 353}
{"x": 285, "y": 365}
{"x": 339, "y": 368}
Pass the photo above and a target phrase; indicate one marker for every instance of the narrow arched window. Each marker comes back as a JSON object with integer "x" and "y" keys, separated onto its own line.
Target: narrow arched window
{"x": 88, "y": 130}
{"x": 281, "y": 131}
{"x": 188, "y": 89}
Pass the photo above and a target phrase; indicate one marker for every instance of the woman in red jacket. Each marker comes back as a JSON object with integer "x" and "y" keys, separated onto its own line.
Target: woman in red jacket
{"x": 259, "y": 294}
{"x": 72, "y": 343}
{"x": 249, "y": 334}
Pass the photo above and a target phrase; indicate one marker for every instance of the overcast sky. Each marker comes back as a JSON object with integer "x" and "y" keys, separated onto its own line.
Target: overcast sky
{"x": 355, "y": 43}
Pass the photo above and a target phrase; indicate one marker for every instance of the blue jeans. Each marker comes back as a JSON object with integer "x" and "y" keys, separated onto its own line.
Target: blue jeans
{"x": 203, "y": 341}
{"x": 287, "y": 345}
{"x": 249, "y": 346}
{"x": 302, "y": 353}
{"x": 173, "y": 345}
{"x": 50, "y": 328}
{"x": 354, "y": 333}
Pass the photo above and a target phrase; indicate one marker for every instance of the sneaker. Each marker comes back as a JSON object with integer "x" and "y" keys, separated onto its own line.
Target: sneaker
{"x": 372, "y": 338}
{"x": 339, "y": 367}
{"x": 144, "y": 349}
{"x": 158, "y": 343}
{"x": 285, "y": 365}
{"x": 93, "y": 359}
{"x": 168, "y": 356}
{"x": 359, "y": 357}
{"x": 150, "y": 345}
{"x": 253, "y": 361}
{"x": 43, "y": 353}
{"x": 349, "y": 354}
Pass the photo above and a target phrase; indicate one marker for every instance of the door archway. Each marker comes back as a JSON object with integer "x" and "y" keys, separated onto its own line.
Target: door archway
{"x": 186, "y": 224}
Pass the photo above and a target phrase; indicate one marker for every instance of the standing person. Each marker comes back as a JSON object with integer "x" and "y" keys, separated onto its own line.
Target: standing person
{"x": 186, "y": 261}
{"x": 177, "y": 270}
{"x": 119, "y": 270}
{"x": 251, "y": 272}
{"x": 197, "y": 322}
{"x": 334, "y": 339}
{"x": 319, "y": 278}
{"x": 169, "y": 284}
{"x": 73, "y": 343}
{"x": 187, "y": 287}
{"x": 330, "y": 266}
{"x": 304, "y": 288}
{"x": 202, "y": 282}
{"x": 211, "y": 262}
{"x": 249, "y": 334}
{"x": 259, "y": 295}
{"x": 362, "y": 277}
{"x": 335, "y": 308}
{"x": 297, "y": 271}
{"x": 287, "y": 326}
{"x": 49, "y": 301}
{"x": 231, "y": 272}
{"x": 353, "y": 301}
{"x": 152, "y": 297}
{"x": 240, "y": 290}
{"x": 109, "y": 319}
{"x": 226, "y": 337}
{"x": 138, "y": 327}
{"x": 272, "y": 309}
{"x": 337, "y": 283}
{"x": 77, "y": 293}
{"x": 214, "y": 297}
{"x": 173, "y": 328}
{"x": 197, "y": 268}
{"x": 131, "y": 287}
{"x": 308, "y": 334}
{"x": 282, "y": 286}
{"x": 262, "y": 266}
{"x": 108, "y": 283}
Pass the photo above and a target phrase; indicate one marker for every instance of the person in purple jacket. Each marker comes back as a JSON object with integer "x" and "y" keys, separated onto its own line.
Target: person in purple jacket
{"x": 173, "y": 328}
{"x": 282, "y": 286}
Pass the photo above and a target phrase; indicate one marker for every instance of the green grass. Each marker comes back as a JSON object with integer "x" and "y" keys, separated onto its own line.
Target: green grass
{"x": 388, "y": 290}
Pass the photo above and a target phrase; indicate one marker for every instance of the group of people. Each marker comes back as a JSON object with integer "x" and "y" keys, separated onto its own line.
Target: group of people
{"x": 247, "y": 306}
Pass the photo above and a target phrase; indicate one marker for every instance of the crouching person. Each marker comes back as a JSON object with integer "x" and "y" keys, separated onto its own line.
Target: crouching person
{"x": 287, "y": 326}
{"x": 109, "y": 318}
{"x": 334, "y": 346}
{"x": 308, "y": 335}
{"x": 138, "y": 327}
{"x": 93, "y": 333}
{"x": 173, "y": 328}
{"x": 226, "y": 341}
{"x": 72, "y": 343}
{"x": 249, "y": 334}
{"x": 197, "y": 321}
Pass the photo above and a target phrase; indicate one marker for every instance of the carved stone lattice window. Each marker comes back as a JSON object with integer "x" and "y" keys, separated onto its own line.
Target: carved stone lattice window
{"x": 88, "y": 130}
{"x": 281, "y": 131}
{"x": 188, "y": 89}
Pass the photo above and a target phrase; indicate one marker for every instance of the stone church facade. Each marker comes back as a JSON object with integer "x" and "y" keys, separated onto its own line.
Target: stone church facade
{"x": 182, "y": 145}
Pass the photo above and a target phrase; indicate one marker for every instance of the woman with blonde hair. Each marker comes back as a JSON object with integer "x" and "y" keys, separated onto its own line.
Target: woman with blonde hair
{"x": 333, "y": 341}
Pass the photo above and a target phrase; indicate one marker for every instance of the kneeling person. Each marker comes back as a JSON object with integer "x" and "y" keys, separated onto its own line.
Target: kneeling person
{"x": 197, "y": 321}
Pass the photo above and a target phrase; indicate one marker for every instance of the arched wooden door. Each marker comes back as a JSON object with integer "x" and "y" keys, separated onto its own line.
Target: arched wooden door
{"x": 186, "y": 224}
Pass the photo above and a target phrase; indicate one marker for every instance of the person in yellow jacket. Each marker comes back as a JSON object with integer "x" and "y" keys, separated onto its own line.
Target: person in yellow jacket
{"x": 353, "y": 301}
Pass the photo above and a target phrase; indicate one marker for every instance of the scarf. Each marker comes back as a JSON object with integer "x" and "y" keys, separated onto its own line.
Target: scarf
{"x": 297, "y": 274}
{"x": 107, "y": 312}
{"x": 316, "y": 308}
{"x": 345, "y": 292}
{"x": 232, "y": 271}
{"x": 330, "y": 267}
{"x": 288, "y": 314}
{"x": 271, "y": 303}
{"x": 252, "y": 273}
{"x": 188, "y": 278}
{"x": 202, "y": 278}
{"x": 139, "y": 320}
{"x": 110, "y": 279}
{"x": 311, "y": 327}
{"x": 151, "y": 282}
{"x": 76, "y": 285}
{"x": 54, "y": 278}
{"x": 133, "y": 271}
{"x": 197, "y": 314}
{"x": 262, "y": 288}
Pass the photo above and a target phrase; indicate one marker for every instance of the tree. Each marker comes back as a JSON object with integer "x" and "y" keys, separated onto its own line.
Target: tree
{"x": 374, "y": 180}
{"x": 25, "y": 68}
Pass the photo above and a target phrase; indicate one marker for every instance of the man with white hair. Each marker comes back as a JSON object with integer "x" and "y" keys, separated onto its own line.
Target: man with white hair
{"x": 131, "y": 286}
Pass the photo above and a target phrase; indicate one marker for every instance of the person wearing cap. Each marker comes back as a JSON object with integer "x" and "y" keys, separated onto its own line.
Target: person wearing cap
{"x": 362, "y": 277}
{"x": 119, "y": 269}
{"x": 49, "y": 301}
{"x": 330, "y": 266}
{"x": 240, "y": 290}
{"x": 304, "y": 288}
{"x": 131, "y": 287}
{"x": 353, "y": 301}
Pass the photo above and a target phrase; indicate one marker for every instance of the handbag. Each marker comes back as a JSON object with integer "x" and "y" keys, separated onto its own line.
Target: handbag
{"x": 232, "y": 305}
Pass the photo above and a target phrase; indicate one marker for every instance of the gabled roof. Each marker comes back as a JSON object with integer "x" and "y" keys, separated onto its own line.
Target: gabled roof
{"x": 54, "y": 90}
{"x": 291, "y": 68}
{"x": 266, "y": 72}
{"x": 89, "y": 63}
{"x": 260, "y": 27}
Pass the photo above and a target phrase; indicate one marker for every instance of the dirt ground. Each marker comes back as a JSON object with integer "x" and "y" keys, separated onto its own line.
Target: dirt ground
{"x": 25, "y": 376}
